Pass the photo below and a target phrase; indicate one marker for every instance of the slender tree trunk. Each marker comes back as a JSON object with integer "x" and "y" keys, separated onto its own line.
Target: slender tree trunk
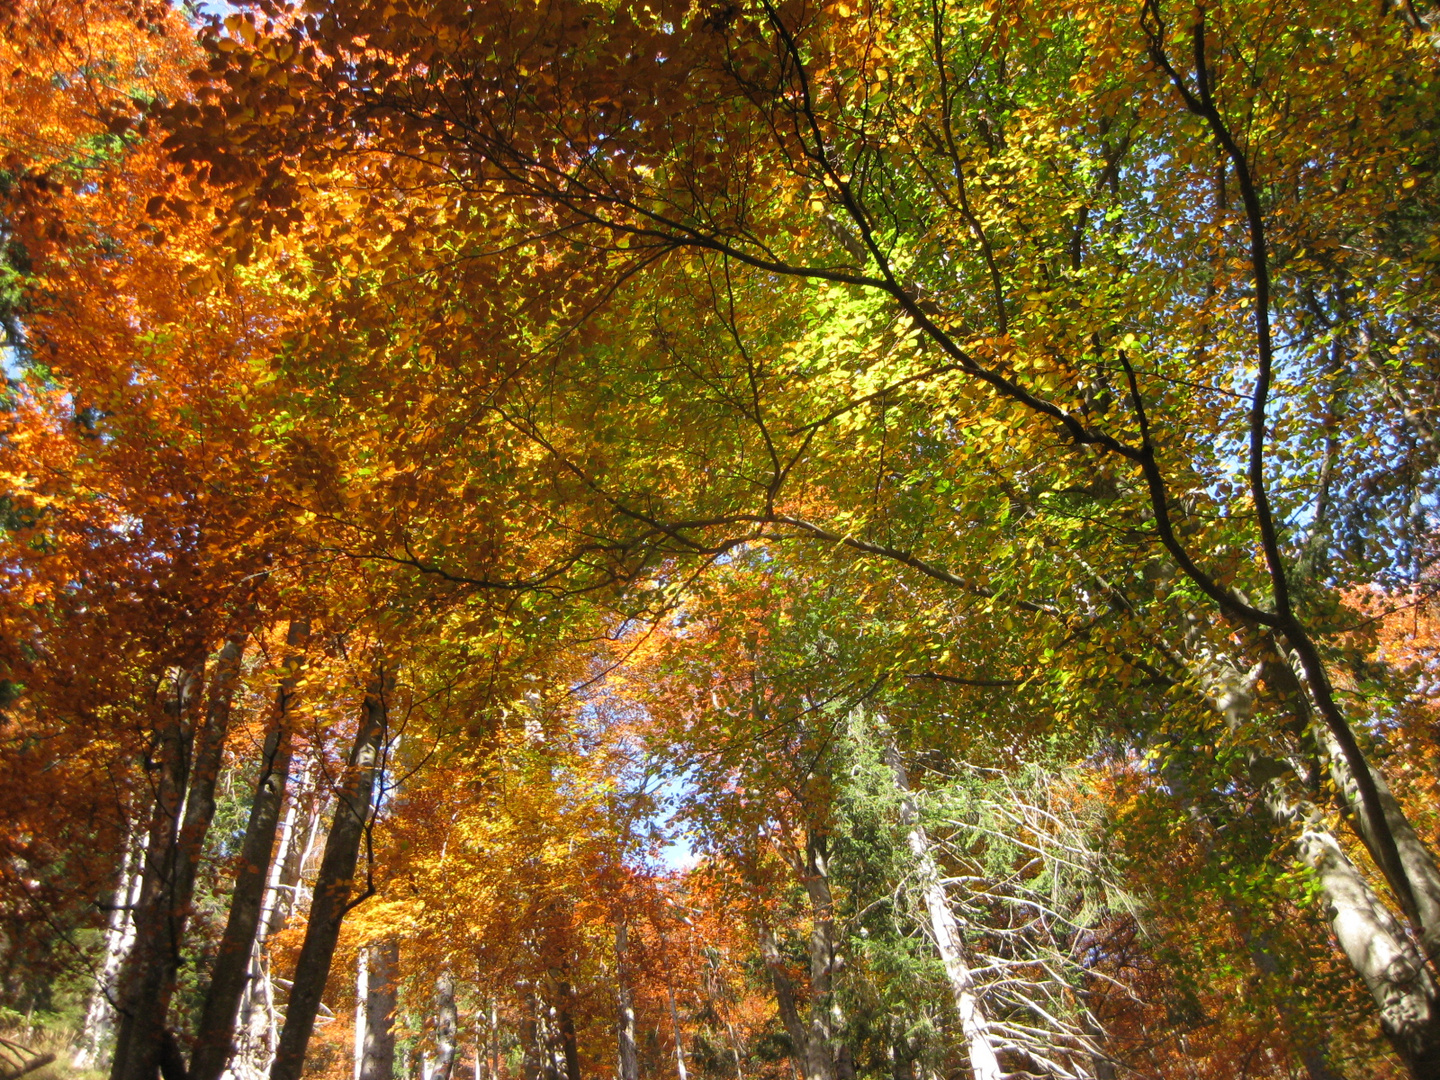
{"x": 232, "y": 967}
{"x": 334, "y": 885}
{"x": 948, "y": 942}
{"x": 494, "y": 1040}
{"x": 298, "y": 832}
{"x": 679, "y": 1038}
{"x": 199, "y": 811}
{"x": 531, "y": 1068}
{"x": 625, "y": 1009}
{"x": 99, "y": 1025}
{"x": 362, "y": 993}
{"x": 377, "y": 1055}
{"x": 144, "y": 988}
{"x": 828, "y": 1047}
{"x": 447, "y": 1026}
{"x": 256, "y": 1028}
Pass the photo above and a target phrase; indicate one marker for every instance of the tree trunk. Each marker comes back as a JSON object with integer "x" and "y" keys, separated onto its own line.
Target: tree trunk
{"x": 565, "y": 1021}
{"x": 494, "y": 1044}
{"x": 624, "y": 1006}
{"x": 362, "y": 992}
{"x": 785, "y": 1000}
{"x": 144, "y": 989}
{"x": 679, "y": 1040}
{"x": 377, "y": 1054}
{"x": 257, "y": 1032}
{"x": 1372, "y": 939}
{"x": 232, "y": 967}
{"x": 447, "y": 1025}
{"x": 99, "y": 1025}
{"x": 531, "y": 1068}
{"x": 298, "y": 833}
{"x": 1414, "y": 856}
{"x": 1378, "y": 949}
{"x": 948, "y": 942}
{"x": 826, "y": 1025}
{"x": 334, "y": 884}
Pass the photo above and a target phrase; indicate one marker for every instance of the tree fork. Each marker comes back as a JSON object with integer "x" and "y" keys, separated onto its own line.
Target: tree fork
{"x": 333, "y": 886}
{"x": 232, "y": 961}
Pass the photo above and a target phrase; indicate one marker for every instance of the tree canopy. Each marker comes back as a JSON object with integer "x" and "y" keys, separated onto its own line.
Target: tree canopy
{"x": 822, "y": 538}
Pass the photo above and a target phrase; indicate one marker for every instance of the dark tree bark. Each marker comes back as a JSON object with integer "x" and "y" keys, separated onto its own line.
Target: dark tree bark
{"x": 566, "y": 1023}
{"x": 334, "y": 885}
{"x": 232, "y": 961}
{"x": 144, "y": 996}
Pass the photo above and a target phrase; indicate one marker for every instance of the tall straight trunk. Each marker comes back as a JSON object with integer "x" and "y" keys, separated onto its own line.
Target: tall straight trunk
{"x": 377, "y": 1053}
{"x": 231, "y": 970}
{"x": 828, "y": 1053}
{"x": 99, "y": 1024}
{"x": 298, "y": 831}
{"x": 144, "y": 988}
{"x": 624, "y": 1006}
{"x": 334, "y": 884}
{"x": 447, "y": 1026}
{"x": 199, "y": 810}
{"x": 679, "y": 1039}
{"x": 494, "y": 1044}
{"x": 948, "y": 943}
{"x": 362, "y": 991}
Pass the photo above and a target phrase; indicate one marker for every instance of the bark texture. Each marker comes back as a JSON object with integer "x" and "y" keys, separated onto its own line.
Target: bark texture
{"x": 624, "y": 1006}
{"x": 377, "y": 1052}
{"x": 785, "y": 999}
{"x": 231, "y": 970}
{"x": 99, "y": 1026}
{"x": 447, "y": 1025}
{"x": 1372, "y": 939}
{"x": 679, "y": 1037}
{"x": 565, "y": 1022}
{"x": 334, "y": 885}
{"x": 144, "y": 989}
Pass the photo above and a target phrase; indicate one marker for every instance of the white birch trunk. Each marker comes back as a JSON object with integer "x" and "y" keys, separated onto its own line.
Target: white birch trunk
{"x": 99, "y": 1027}
{"x": 624, "y": 1007}
{"x": 679, "y": 1041}
{"x": 362, "y": 992}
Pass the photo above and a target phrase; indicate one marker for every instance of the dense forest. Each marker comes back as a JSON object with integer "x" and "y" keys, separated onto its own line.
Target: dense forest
{"x": 746, "y": 539}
